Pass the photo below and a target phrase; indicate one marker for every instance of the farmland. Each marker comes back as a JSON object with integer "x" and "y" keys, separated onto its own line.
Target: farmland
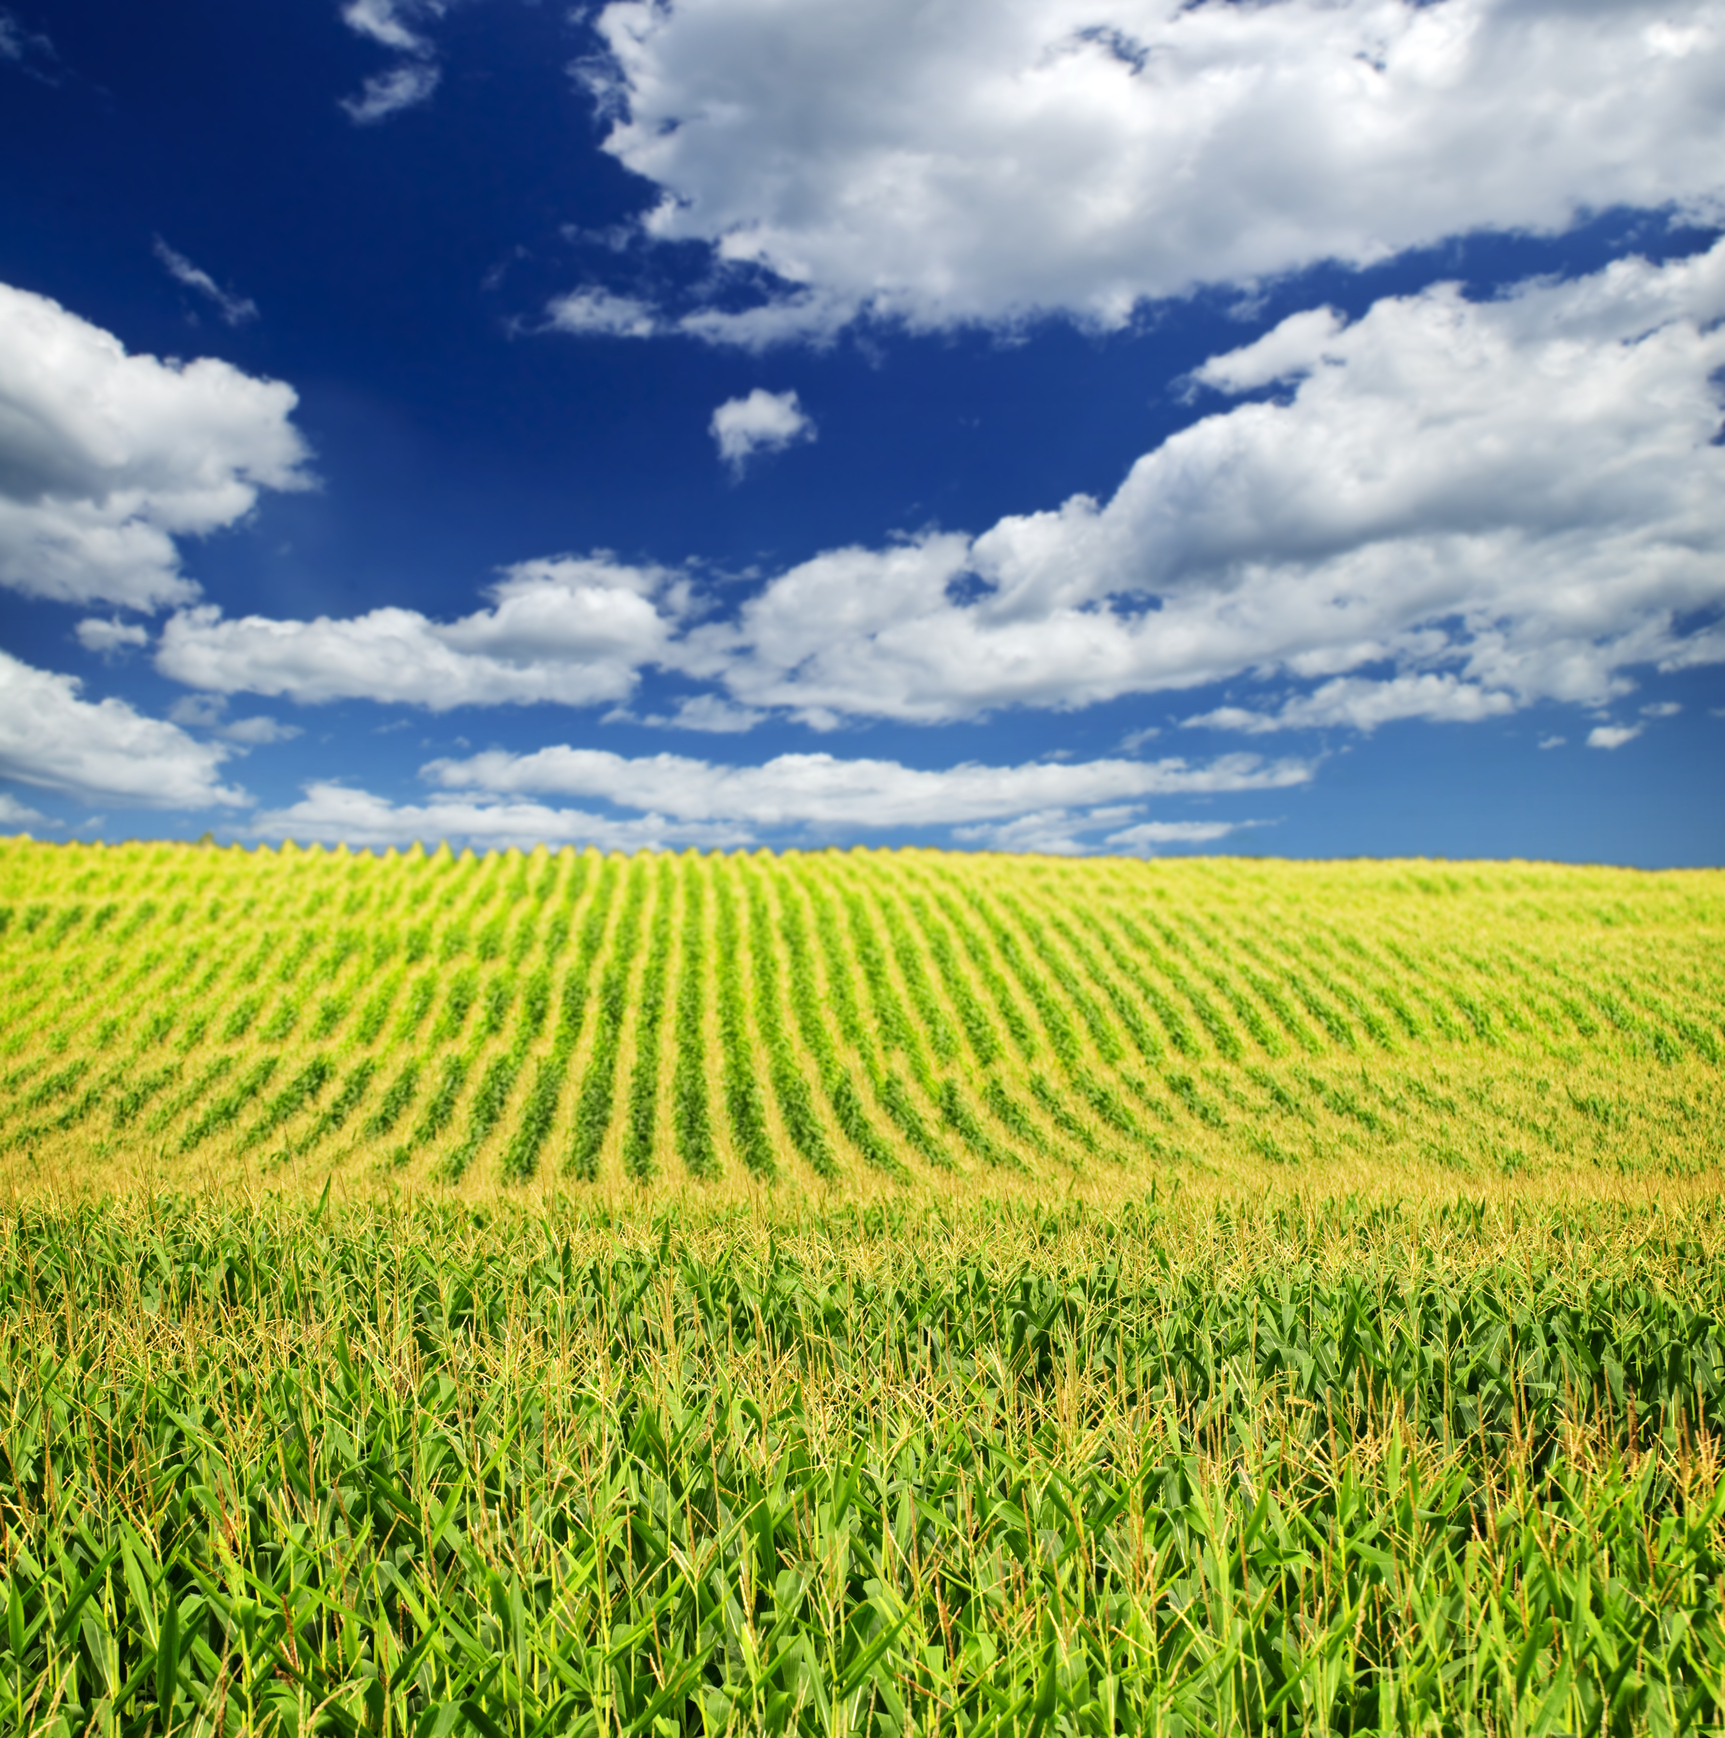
{"x": 844, "y": 1020}
{"x": 858, "y": 1292}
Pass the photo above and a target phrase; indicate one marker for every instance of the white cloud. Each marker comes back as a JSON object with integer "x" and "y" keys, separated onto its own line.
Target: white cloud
{"x": 12, "y": 812}
{"x": 1613, "y": 735}
{"x": 209, "y": 712}
{"x": 414, "y": 77}
{"x": 102, "y": 750}
{"x": 490, "y": 799}
{"x": 821, "y": 791}
{"x": 1661, "y": 709}
{"x": 106, "y": 458}
{"x": 1068, "y": 833}
{"x": 1149, "y": 834}
{"x": 234, "y": 310}
{"x": 1456, "y": 509}
{"x": 568, "y": 629}
{"x": 385, "y": 21}
{"x": 1553, "y": 741}
{"x": 259, "y": 731}
{"x": 1287, "y": 352}
{"x": 764, "y": 422}
{"x": 96, "y": 635}
{"x": 388, "y": 93}
{"x": 709, "y": 713}
{"x": 338, "y": 814}
{"x": 594, "y": 313}
{"x": 984, "y": 159}
{"x": 1357, "y": 703}
{"x": 1504, "y": 501}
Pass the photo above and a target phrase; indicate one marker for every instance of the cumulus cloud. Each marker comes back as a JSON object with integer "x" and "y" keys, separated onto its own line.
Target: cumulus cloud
{"x": 259, "y": 731}
{"x": 337, "y": 813}
{"x": 209, "y": 712}
{"x": 982, "y": 160}
{"x": 1502, "y": 501}
{"x": 106, "y": 458}
{"x": 102, "y": 751}
{"x": 1357, "y": 703}
{"x": 710, "y": 714}
{"x": 1075, "y": 833}
{"x": 109, "y": 636}
{"x": 1153, "y": 835}
{"x": 1454, "y": 509}
{"x": 234, "y": 310}
{"x": 764, "y": 422}
{"x": 1613, "y": 735}
{"x": 569, "y": 629}
{"x": 387, "y": 93}
{"x": 595, "y": 313}
{"x": 499, "y": 799}
{"x": 386, "y": 21}
{"x": 12, "y": 812}
{"x": 414, "y": 77}
{"x": 821, "y": 791}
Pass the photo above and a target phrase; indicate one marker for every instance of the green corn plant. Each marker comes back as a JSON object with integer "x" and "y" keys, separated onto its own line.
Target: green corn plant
{"x": 796, "y": 1103}
{"x": 593, "y": 1106}
{"x": 692, "y": 1118}
{"x": 638, "y": 1132}
{"x": 743, "y": 1100}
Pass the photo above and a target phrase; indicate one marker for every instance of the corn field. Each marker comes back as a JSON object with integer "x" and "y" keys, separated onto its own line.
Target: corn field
{"x": 857, "y": 1293}
{"x": 836, "y": 1020}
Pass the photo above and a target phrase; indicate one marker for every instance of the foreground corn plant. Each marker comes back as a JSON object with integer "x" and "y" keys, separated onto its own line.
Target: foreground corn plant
{"x": 1175, "y": 1468}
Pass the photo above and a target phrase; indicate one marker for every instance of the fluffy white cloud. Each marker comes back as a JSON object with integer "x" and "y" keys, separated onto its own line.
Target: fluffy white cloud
{"x": 386, "y": 21}
{"x": 1503, "y": 501}
{"x": 1450, "y": 510}
{"x": 764, "y": 422}
{"x": 710, "y": 714}
{"x": 820, "y": 791}
{"x": 1151, "y": 835}
{"x": 490, "y": 800}
{"x": 106, "y": 458}
{"x": 12, "y": 812}
{"x": 568, "y": 629}
{"x": 983, "y": 159}
{"x": 1075, "y": 833}
{"x": 338, "y": 814}
{"x": 234, "y": 310}
{"x": 387, "y": 93}
{"x": 209, "y": 712}
{"x": 1613, "y": 735}
{"x": 594, "y": 313}
{"x": 414, "y": 77}
{"x": 113, "y": 635}
{"x": 1356, "y": 703}
{"x": 102, "y": 750}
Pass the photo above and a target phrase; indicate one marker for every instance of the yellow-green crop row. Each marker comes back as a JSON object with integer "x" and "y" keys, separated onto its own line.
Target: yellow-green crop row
{"x": 847, "y": 1019}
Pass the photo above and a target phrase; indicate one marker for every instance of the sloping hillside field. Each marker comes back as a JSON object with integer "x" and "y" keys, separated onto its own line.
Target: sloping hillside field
{"x": 857, "y": 1293}
{"x": 823, "y": 1019}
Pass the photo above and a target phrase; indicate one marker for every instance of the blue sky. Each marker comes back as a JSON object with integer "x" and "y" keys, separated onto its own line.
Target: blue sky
{"x": 1081, "y": 425}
